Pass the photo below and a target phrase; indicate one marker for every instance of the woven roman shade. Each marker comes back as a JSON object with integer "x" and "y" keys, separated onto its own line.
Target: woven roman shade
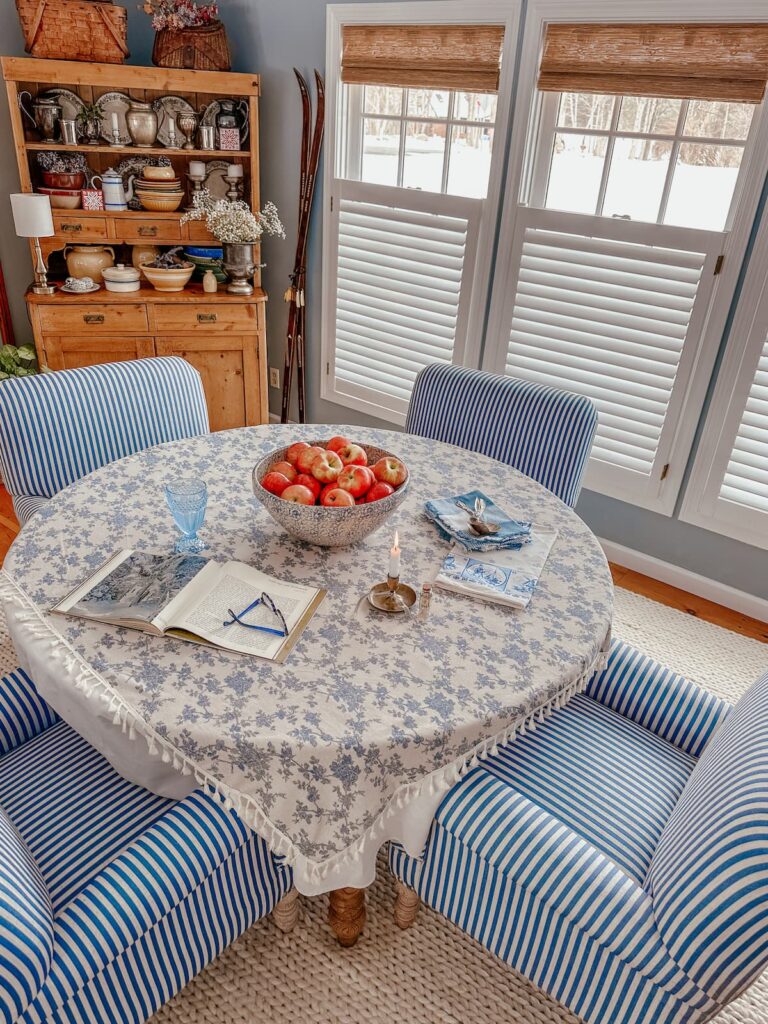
{"x": 703, "y": 62}
{"x": 463, "y": 57}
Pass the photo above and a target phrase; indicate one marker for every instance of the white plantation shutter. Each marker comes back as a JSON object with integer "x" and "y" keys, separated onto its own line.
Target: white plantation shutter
{"x": 746, "y": 475}
{"x": 605, "y": 309}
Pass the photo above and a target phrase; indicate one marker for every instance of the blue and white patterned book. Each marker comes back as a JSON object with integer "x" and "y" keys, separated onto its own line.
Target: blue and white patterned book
{"x": 453, "y": 523}
{"x": 507, "y": 576}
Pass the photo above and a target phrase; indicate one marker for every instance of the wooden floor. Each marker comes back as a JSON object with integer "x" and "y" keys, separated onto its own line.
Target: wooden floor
{"x": 626, "y": 578}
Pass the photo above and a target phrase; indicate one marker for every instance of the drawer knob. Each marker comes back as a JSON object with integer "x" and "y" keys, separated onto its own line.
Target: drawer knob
{"x": 93, "y": 318}
{"x": 206, "y": 318}
{"x": 148, "y": 231}
{"x": 71, "y": 227}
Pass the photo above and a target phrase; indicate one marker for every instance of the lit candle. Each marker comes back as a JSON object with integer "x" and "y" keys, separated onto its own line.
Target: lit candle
{"x": 394, "y": 557}
{"x": 115, "y": 122}
{"x": 196, "y": 169}
{"x": 234, "y": 170}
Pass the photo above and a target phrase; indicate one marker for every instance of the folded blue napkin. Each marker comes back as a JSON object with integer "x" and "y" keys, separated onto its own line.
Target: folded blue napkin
{"x": 453, "y": 523}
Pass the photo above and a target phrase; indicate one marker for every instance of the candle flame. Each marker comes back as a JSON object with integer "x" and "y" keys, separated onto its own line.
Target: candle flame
{"x": 397, "y": 540}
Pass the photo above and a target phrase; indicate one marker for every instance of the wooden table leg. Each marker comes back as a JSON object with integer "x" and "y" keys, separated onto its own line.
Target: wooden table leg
{"x": 346, "y": 914}
{"x": 285, "y": 913}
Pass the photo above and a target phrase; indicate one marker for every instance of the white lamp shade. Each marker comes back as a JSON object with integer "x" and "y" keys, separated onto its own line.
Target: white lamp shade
{"x": 32, "y": 215}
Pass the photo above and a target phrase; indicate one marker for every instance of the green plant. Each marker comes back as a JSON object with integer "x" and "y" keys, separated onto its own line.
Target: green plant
{"x": 18, "y": 361}
{"x": 90, "y": 112}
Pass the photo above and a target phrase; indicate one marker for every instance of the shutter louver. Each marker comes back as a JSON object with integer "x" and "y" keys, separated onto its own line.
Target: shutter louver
{"x": 398, "y": 292}
{"x": 606, "y": 319}
{"x": 746, "y": 477}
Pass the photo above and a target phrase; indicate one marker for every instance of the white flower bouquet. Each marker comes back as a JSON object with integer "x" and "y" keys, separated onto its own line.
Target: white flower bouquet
{"x": 232, "y": 220}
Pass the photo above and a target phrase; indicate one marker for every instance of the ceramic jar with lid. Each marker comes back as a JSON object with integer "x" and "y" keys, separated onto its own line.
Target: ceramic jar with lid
{"x": 89, "y": 260}
{"x": 121, "y": 278}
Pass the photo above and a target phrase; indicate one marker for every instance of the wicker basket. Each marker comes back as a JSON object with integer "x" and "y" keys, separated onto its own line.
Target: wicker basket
{"x": 203, "y": 48}
{"x": 74, "y": 30}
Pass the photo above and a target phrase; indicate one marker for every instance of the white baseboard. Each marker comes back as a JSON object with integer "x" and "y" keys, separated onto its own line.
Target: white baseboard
{"x": 684, "y": 579}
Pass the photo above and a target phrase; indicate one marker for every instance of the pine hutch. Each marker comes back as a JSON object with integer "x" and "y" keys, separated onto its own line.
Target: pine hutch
{"x": 222, "y": 335}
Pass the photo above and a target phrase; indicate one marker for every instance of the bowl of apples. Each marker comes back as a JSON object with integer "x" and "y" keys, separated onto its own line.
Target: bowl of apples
{"x": 330, "y": 493}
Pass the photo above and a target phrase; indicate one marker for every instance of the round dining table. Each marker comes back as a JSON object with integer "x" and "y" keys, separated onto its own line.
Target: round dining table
{"x": 356, "y": 737}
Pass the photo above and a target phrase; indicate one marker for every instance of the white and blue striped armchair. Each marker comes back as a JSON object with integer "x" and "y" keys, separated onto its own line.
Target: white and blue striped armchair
{"x": 57, "y": 427}
{"x": 544, "y": 432}
{"x": 618, "y": 855}
{"x": 111, "y": 898}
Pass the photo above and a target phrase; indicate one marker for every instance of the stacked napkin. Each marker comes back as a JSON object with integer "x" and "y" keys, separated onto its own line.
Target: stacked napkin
{"x": 503, "y": 567}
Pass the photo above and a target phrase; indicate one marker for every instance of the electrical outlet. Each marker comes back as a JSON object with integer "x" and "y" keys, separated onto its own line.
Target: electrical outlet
{"x": 274, "y": 377}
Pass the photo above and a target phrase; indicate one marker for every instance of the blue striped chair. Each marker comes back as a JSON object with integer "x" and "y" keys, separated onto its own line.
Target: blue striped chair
{"x": 111, "y": 898}
{"x": 545, "y": 433}
{"x": 56, "y": 427}
{"x": 618, "y": 855}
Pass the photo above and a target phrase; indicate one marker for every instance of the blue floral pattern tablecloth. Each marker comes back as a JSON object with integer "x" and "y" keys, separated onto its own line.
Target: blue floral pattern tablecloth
{"x": 357, "y": 736}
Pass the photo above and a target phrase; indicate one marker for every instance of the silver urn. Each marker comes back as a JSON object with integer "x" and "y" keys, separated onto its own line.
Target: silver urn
{"x": 240, "y": 266}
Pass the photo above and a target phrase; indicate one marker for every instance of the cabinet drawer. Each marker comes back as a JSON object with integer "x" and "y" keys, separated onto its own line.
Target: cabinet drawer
{"x": 230, "y": 316}
{"x": 74, "y": 228}
{"x": 198, "y": 232}
{"x": 145, "y": 229}
{"x": 84, "y": 319}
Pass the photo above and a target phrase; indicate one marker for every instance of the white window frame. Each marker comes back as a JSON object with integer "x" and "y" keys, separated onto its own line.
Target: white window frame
{"x": 662, "y": 496}
{"x": 702, "y": 504}
{"x": 482, "y": 213}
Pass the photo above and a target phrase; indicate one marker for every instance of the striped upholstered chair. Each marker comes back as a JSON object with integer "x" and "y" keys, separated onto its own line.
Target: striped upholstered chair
{"x": 56, "y": 427}
{"x": 111, "y": 898}
{"x": 618, "y": 855}
{"x": 542, "y": 431}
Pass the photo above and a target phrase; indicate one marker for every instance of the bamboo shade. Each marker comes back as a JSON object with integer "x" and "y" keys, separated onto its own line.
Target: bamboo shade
{"x": 704, "y": 62}
{"x": 464, "y": 57}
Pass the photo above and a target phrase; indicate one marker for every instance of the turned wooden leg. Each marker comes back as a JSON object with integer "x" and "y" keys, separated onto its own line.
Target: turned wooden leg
{"x": 285, "y": 914}
{"x": 406, "y": 905}
{"x": 346, "y": 914}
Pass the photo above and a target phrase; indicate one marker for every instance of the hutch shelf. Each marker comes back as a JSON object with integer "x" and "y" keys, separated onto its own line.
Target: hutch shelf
{"x": 222, "y": 335}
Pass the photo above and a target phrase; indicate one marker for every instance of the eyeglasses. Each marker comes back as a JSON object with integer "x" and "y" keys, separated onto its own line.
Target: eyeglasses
{"x": 267, "y": 601}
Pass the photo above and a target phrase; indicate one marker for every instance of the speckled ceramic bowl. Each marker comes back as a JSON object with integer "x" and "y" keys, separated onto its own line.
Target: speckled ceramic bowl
{"x": 327, "y": 527}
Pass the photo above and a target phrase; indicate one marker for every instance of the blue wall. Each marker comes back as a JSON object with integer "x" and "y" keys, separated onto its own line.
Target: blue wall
{"x": 271, "y": 38}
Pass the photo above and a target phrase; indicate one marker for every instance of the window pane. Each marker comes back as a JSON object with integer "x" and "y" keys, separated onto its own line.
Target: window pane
{"x": 584, "y": 110}
{"x": 649, "y": 114}
{"x": 636, "y": 179}
{"x": 574, "y": 177}
{"x": 381, "y": 146}
{"x": 718, "y": 120}
{"x": 428, "y": 103}
{"x": 424, "y": 155}
{"x": 383, "y": 99}
{"x": 474, "y": 106}
{"x": 702, "y": 186}
{"x": 470, "y": 161}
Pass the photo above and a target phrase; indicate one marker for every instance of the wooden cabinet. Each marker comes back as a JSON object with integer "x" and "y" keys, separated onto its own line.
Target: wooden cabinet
{"x": 223, "y": 336}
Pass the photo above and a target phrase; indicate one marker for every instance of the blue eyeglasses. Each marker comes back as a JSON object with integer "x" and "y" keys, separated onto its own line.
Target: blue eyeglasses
{"x": 267, "y": 601}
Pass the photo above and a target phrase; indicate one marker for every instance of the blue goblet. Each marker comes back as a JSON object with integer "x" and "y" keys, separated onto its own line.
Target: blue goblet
{"x": 187, "y": 500}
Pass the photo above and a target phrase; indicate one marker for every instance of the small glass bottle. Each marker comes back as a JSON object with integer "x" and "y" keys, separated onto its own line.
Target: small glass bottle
{"x": 425, "y": 599}
{"x": 210, "y": 284}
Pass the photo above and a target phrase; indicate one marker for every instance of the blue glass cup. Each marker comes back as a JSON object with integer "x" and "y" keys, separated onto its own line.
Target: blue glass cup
{"x": 187, "y": 500}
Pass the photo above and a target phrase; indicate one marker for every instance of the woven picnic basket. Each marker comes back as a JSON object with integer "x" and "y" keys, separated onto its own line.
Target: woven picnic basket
{"x": 74, "y": 30}
{"x": 200, "y": 48}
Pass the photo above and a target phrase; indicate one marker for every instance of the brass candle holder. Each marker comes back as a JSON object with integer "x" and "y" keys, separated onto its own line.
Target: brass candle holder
{"x": 392, "y": 596}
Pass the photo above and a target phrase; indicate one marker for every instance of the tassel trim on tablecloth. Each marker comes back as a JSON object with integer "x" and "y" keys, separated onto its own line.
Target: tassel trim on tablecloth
{"x": 125, "y": 716}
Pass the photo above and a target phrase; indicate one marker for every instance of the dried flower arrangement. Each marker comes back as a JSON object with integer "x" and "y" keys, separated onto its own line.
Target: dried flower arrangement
{"x": 179, "y": 14}
{"x": 62, "y": 163}
{"x": 169, "y": 260}
{"x": 233, "y": 220}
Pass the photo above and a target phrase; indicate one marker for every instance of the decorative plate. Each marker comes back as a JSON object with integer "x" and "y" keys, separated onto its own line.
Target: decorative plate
{"x": 168, "y": 107}
{"x": 115, "y": 103}
{"x": 135, "y": 165}
{"x": 208, "y": 117}
{"x": 215, "y": 178}
{"x": 69, "y": 101}
{"x": 80, "y": 291}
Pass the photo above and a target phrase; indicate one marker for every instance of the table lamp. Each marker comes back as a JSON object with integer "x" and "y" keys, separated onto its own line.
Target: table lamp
{"x": 32, "y": 218}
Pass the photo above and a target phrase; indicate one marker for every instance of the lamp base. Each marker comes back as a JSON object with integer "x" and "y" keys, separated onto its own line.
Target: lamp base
{"x": 43, "y": 289}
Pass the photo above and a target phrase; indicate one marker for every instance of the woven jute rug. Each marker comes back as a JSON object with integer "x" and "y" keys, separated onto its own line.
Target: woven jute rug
{"x": 433, "y": 973}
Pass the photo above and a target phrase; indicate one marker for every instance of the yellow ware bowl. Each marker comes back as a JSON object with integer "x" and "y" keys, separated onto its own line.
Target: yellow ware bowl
{"x": 155, "y": 204}
{"x": 172, "y": 280}
{"x": 158, "y": 173}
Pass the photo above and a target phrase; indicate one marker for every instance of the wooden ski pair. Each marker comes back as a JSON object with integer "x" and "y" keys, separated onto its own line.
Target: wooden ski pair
{"x": 295, "y": 296}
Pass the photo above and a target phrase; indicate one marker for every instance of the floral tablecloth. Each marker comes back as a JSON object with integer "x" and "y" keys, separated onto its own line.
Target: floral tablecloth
{"x": 355, "y": 738}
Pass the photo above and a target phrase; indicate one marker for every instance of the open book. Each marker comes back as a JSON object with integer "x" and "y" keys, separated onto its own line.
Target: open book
{"x": 191, "y": 597}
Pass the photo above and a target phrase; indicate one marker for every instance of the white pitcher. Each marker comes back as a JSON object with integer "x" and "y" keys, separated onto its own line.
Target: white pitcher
{"x": 116, "y": 197}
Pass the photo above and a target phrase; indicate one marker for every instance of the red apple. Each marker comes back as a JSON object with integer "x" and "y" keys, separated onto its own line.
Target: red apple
{"x": 353, "y": 455}
{"x": 306, "y": 457}
{"x": 390, "y": 471}
{"x": 309, "y": 481}
{"x": 379, "y": 490}
{"x": 336, "y": 497}
{"x": 298, "y": 495}
{"x": 355, "y": 479}
{"x": 286, "y": 469}
{"x": 337, "y": 442}
{"x": 292, "y": 455}
{"x": 276, "y": 483}
{"x": 326, "y": 467}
